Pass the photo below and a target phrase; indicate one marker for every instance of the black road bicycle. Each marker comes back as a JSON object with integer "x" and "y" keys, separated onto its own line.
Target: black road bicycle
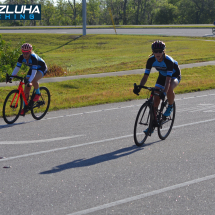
{"x": 14, "y": 101}
{"x": 145, "y": 122}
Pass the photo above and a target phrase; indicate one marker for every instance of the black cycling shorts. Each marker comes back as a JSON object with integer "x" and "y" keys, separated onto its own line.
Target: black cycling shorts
{"x": 162, "y": 80}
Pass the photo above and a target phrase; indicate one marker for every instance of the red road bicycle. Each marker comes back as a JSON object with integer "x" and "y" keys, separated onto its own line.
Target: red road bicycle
{"x": 14, "y": 102}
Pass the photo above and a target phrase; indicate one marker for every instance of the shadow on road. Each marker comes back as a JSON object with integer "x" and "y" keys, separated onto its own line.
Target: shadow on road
{"x": 149, "y": 144}
{"x": 14, "y": 124}
{"x": 98, "y": 159}
{"x": 95, "y": 160}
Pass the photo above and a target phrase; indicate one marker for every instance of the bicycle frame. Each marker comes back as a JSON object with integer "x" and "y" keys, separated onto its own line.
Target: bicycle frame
{"x": 150, "y": 101}
{"x": 148, "y": 118}
{"x": 21, "y": 91}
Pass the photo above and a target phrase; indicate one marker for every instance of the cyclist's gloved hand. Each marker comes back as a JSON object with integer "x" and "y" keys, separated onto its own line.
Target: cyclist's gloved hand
{"x": 136, "y": 89}
{"x": 9, "y": 80}
{"x": 27, "y": 83}
{"x": 162, "y": 95}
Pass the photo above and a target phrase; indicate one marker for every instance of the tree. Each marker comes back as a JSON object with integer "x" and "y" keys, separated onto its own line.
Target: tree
{"x": 165, "y": 14}
{"x": 73, "y": 6}
{"x": 196, "y": 11}
{"x": 93, "y": 12}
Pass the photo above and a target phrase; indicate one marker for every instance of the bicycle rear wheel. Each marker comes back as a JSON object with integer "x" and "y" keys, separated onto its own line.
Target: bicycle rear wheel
{"x": 142, "y": 122}
{"x": 40, "y": 108}
{"x": 11, "y": 110}
{"x": 166, "y": 123}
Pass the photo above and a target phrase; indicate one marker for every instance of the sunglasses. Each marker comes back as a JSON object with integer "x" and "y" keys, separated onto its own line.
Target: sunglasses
{"x": 158, "y": 51}
{"x": 24, "y": 52}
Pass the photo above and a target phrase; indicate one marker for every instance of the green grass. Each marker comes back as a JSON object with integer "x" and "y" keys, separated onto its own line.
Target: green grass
{"x": 94, "y": 91}
{"x": 109, "y": 53}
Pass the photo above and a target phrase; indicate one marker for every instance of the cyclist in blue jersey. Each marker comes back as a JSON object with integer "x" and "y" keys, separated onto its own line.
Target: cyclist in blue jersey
{"x": 37, "y": 70}
{"x": 169, "y": 75}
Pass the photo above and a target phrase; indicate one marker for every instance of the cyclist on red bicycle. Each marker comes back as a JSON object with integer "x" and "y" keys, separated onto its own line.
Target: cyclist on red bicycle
{"x": 37, "y": 70}
{"x": 169, "y": 75}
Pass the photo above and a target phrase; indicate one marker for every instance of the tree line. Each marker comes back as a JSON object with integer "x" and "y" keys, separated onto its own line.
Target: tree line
{"x": 124, "y": 12}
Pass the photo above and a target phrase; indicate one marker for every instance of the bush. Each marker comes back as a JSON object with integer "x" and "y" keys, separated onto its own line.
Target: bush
{"x": 8, "y": 57}
{"x": 55, "y": 71}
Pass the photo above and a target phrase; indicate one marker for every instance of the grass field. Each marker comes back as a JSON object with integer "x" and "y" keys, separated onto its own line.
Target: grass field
{"x": 110, "y": 53}
{"x": 94, "y": 91}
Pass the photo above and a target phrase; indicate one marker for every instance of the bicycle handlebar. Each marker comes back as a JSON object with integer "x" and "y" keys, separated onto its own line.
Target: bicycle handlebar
{"x": 14, "y": 76}
{"x": 152, "y": 89}
{"x": 148, "y": 88}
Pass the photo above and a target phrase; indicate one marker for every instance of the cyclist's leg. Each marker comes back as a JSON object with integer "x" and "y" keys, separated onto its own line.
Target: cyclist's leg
{"x": 160, "y": 83}
{"x": 27, "y": 89}
{"x": 173, "y": 84}
{"x": 27, "y": 92}
{"x": 171, "y": 95}
{"x": 37, "y": 77}
{"x": 35, "y": 83}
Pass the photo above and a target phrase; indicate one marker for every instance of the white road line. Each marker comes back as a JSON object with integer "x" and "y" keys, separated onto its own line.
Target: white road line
{"x": 193, "y": 123}
{"x": 38, "y": 141}
{"x": 94, "y": 142}
{"x": 203, "y": 108}
{"x": 118, "y": 108}
{"x": 199, "y": 107}
{"x": 64, "y": 148}
{"x": 89, "y": 112}
{"x": 144, "y": 195}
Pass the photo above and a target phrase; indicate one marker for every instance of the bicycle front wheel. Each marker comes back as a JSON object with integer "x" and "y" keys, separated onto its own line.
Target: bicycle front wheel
{"x": 143, "y": 124}
{"x": 40, "y": 108}
{"x": 12, "y": 107}
{"x": 166, "y": 123}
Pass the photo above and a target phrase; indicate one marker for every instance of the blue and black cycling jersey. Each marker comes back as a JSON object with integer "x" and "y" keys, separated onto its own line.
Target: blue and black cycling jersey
{"x": 168, "y": 67}
{"x": 34, "y": 62}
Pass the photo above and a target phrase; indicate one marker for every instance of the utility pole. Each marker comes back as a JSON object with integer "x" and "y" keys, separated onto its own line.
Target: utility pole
{"x": 84, "y": 16}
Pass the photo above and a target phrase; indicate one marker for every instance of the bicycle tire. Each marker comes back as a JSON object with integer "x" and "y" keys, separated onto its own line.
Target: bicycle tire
{"x": 10, "y": 112}
{"x": 166, "y": 123}
{"x": 40, "y": 108}
{"x": 142, "y": 122}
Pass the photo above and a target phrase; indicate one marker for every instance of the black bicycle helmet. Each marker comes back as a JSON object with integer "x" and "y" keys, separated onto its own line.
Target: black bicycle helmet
{"x": 158, "y": 45}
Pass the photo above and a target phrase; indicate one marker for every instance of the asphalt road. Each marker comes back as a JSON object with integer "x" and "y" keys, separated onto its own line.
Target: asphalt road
{"x": 196, "y": 32}
{"x": 84, "y": 161}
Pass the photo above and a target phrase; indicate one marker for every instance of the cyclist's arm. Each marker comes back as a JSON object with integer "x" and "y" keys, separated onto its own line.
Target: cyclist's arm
{"x": 15, "y": 71}
{"x": 144, "y": 79}
{"x": 34, "y": 68}
{"x": 34, "y": 72}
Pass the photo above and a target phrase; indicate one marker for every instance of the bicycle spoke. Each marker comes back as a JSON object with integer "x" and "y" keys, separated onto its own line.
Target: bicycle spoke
{"x": 40, "y": 108}
{"x": 12, "y": 107}
{"x": 166, "y": 124}
{"x": 142, "y": 123}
